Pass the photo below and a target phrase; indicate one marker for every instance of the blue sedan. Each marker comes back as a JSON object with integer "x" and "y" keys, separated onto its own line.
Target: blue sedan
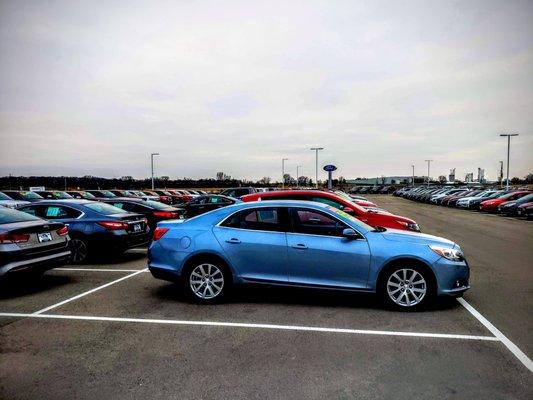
{"x": 304, "y": 244}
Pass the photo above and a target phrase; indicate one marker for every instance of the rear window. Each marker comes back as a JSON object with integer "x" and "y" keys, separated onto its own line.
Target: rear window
{"x": 105, "y": 209}
{"x": 62, "y": 195}
{"x": 9, "y": 216}
{"x": 4, "y": 196}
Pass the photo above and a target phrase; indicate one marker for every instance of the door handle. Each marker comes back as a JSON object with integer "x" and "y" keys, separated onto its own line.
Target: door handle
{"x": 233, "y": 240}
{"x": 300, "y": 246}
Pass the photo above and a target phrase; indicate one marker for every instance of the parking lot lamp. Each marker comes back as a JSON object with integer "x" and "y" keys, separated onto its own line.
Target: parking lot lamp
{"x": 297, "y": 176}
{"x": 316, "y": 149}
{"x": 508, "y": 153}
{"x": 283, "y": 172}
{"x": 413, "y": 175}
{"x": 429, "y": 162}
{"x": 152, "y": 163}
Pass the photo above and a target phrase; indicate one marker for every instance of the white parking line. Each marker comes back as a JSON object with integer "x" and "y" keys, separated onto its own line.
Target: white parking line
{"x": 89, "y": 292}
{"x": 256, "y": 326}
{"x": 524, "y": 359}
{"x": 97, "y": 269}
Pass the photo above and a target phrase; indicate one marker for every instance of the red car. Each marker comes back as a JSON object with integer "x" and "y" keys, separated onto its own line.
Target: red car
{"x": 370, "y": 217}
{"x": 492, "y": 205}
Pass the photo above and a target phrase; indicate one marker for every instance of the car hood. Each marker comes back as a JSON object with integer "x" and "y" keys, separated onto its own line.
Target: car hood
{"x": 374, "y": 211}
{"x": 508, "y": 203}
{"x": 414, "y": 237}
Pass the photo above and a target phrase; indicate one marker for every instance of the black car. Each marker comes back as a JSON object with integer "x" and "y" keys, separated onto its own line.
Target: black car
{"x": 238, "y": 192}
{"x": 23, "y": 195}
{"x": 154, "y": 211}
{"x": 203, "y": 204}
{"x": 30, "y": 244}
{"x": 94, "y": 227}
{"x": 53, "y": 194}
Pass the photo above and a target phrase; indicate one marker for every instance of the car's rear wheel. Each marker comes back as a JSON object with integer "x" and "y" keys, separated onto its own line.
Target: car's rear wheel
{"x": 406, "y": 287}
{"x": 79, "y": 250}
{"x": 207, "y": 281}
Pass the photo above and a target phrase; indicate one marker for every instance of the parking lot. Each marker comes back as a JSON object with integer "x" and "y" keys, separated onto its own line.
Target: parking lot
{"x": 110, "y": 330}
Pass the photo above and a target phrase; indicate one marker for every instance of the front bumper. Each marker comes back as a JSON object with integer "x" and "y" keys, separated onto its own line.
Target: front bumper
{"x": 453, "y": 278}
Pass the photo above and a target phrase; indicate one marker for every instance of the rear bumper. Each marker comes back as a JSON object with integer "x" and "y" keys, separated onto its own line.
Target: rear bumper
{"x": 36, "y": 264}
{"x": 119, "y": 240}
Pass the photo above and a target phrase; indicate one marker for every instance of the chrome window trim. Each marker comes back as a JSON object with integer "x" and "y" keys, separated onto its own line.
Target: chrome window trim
{"x": 362, "y": 237}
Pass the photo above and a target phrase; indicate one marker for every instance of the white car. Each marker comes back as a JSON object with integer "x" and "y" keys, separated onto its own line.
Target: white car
{"x": 6, "y": 201}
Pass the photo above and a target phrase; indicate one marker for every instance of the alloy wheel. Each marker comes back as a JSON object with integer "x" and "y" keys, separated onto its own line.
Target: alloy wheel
{"x": 79, "y": 250}
{"x": 406, "y": 287}
{"x": 206, "y": 281}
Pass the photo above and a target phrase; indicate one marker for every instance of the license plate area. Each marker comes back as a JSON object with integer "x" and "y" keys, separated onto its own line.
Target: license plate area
{"x": 137, "y": 227}
{"x": 44, "y": 237}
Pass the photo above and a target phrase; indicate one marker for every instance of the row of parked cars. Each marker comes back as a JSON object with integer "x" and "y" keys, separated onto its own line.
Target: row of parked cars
{"x": 377, "y": 189}
{"x": 513, "y": 202}
{"x": 44, "y": 229}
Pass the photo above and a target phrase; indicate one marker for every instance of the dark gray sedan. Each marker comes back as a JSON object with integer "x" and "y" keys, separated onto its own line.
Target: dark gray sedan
{"x": 28, "y": 243}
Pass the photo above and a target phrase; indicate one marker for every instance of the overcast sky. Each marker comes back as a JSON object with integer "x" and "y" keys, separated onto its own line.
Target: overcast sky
{"x": 91, "y": 88}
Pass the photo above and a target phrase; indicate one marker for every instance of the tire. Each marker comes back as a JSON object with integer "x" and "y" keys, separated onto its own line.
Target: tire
{"x": 406, "y": 287}
{"x": 206, "y": 281}
{"x": 79, "y": 250}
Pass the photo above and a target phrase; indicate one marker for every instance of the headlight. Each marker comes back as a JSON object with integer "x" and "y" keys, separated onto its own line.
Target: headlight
{"x": 410, "y": 226}
{"x": 450, "y": 254}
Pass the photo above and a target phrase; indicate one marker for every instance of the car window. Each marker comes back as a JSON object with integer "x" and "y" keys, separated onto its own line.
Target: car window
{"x": 199, "y": 201}
{"x": 9, "y": 216}
{"x": 260, "y": 219}
{"x": 312, "y": 222}
{"x": 4, "y": 196}
{"x": 59, "y": 212}
{"x": 219, "y": 200}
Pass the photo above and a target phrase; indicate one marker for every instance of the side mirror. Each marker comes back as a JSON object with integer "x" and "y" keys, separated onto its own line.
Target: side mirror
{"x": 348, "y": 210}
{"x": 349, "y": 233}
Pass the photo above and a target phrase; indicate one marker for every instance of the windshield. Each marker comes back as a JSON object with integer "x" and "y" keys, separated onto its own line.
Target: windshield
{"x": 105, "y": 209}
{"x": 30, "y": 195}
{"x": 9, "y": 216}
{"x": 4, "y": 196}
{"x": 349, "y": 217}
{"x": 157, "y": 205}
{"x": 61, "y": 195}
{"x": 107, "y": 193}
{"x": 88, "y": 196}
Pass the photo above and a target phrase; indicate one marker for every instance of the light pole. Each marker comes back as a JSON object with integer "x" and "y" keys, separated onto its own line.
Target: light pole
{"x": 316, "y": 149}
{"x": 508, "y": 153}
{"x": 152, "y": 164}
{"x": 283, "y": 172}
{"x": 297, "y": 176}
{"x": 413, "y": 175}
{"x": 429, "y": 162}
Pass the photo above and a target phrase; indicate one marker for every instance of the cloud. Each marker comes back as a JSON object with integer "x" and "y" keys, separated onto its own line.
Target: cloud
{"x": 236, "y": 86}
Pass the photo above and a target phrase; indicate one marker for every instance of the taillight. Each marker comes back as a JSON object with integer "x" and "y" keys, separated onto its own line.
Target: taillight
{"x": 159, "y": 232}
{"x": 62, "y": 231}
{"x": 7, "y": 238}
{"x": 166, "y": 214}
{"x": 113, "y": 225}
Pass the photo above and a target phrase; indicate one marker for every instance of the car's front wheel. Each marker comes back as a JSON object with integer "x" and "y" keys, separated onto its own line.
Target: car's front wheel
{"x": 207, "y": 281}
{"x": 406, "y": 287}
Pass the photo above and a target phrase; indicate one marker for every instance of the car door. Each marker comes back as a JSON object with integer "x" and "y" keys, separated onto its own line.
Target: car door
{"x": 319, "y": 255}
{"x": 254, "y": 240}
